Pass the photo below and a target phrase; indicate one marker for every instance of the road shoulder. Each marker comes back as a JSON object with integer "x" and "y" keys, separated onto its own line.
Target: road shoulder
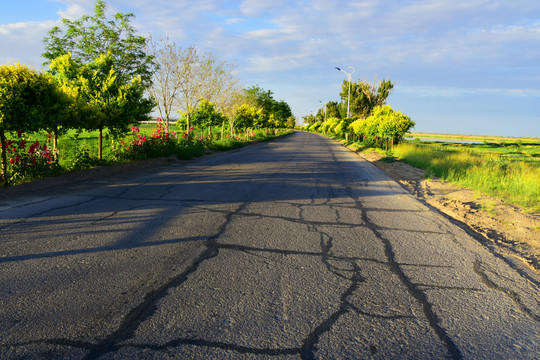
{"x": 504, "y": 228}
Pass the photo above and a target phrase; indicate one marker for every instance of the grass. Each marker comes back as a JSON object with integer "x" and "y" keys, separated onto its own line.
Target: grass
{"x": 494, "y": 139}
{"x": 225, "y": 144}
{"x": 511, "y": 173}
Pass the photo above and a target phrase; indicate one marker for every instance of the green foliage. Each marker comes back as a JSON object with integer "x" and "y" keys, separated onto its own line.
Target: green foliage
{"x": 104, "y": 100}
{"x": 273, "y": 113}
{"x": 83, "y": 159}
{"x": 206, "y": 115}
{"x": 226, "y": 144}
{"x": 365, "y": 97}
{"x": 385, "y": 123}
{"x": 333, "y": 110}
{"x": 330, "y": 124}
{"x": 391, "y": 124}
{"x": 90, "y": 37}
{"x": 248, "y": 116}
{"x": 290, "y": 123}
{"x": 29, "y": 101}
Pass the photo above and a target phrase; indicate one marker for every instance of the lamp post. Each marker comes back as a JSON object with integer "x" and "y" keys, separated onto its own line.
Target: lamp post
{"x": 349, "y": 79}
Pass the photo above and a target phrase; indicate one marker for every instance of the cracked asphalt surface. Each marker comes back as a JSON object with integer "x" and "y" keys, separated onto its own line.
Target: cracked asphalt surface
{"x": 292, "y": 249}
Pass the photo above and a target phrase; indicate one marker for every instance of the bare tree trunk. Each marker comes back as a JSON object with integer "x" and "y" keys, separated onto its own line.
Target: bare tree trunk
{"x": 222, "y": 129}
{"x": 100, "y": 145}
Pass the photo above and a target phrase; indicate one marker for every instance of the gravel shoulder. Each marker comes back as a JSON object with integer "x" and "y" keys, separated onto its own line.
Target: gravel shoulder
{"x": 503, "y": 227}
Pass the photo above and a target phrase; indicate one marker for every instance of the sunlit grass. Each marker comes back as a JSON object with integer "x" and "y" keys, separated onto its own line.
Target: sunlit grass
{"x": 516, "y": 181}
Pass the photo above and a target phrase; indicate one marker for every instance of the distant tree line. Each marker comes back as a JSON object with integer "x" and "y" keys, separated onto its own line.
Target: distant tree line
{"x": 371, "y": 120}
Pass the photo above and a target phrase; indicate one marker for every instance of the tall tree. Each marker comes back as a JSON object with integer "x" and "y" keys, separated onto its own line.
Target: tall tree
{"x": 333, "y": 110}
{"x": 106, "y": 102}
{"x": 90, "y": 37}
{"x": 202, "y": 75}
{"x": 166, "y": 85}
{"x": 365, "y": 96}
{"x": 274, "y": 113}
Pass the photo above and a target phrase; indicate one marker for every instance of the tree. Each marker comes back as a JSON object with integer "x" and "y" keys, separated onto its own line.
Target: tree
{"x": 105, "y": 100}
{"x": 274, "y": 113}
{"x": 392, "y": 124}
{"x": 247, "y": 116}
{"x": 309, "y": 119}
{"x": 281, "y": 111}
{"x": 165, "y": 87}
{"x": 384, "y": 123}
{"x": 202, "y": 75}
{"x": 29, "y": 101}
{"x": 291, "y": 122}
{"x": 365, "y": 96}
{"x": 90, "y": 37}
{"x": 333, "y": 110}
{"x": 206, "y": 115}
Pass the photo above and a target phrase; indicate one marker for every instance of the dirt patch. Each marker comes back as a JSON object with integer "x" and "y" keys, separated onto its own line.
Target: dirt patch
{"x": 503, "y": 227}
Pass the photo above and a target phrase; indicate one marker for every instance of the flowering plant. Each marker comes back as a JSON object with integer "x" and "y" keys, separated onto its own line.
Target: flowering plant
{"x": 159, "y": 143}
{"x": 28, "y": 160}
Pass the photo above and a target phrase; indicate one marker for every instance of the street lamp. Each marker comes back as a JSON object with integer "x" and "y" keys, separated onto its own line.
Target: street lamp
{"x": 348, "y": 78}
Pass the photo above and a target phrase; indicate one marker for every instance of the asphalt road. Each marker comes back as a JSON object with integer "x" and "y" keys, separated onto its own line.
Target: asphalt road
{"x": 292, "y": 249}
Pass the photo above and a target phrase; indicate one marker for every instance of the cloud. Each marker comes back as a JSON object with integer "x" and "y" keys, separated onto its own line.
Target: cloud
{"x": 73, "y": 12}
{"x": 437, "y": 91}
{"x": 9, "y": 28}
{"x": 21, "y": 42}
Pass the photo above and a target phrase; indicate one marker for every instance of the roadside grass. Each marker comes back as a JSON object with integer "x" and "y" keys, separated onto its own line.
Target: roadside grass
{"x": 484, "y": 138}
{"x": 225, "y": 144}
{"x": 506, "y": 174}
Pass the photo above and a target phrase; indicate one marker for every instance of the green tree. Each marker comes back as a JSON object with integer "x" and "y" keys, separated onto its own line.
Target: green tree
{"x": 281, "y": 111}
{"x": 273, "y": 113}
{"x": 105, "y": 100}
{"x": 333, "y": 110}
{"x": 29, "y": 101}
{"x": 365, "y": 97}
{"x": 247, "y": 116}
{"x": 206, "y": 115}
{"x": 291, "y": 122}
{"x": 90, "y": 37}
{"x": 392, "y": 125}
{"x": 309, "y": 119}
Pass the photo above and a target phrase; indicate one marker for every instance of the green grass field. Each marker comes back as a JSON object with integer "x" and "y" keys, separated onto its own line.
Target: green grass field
{"x": 482, "y": 138}
{"x": 506, "y": 170}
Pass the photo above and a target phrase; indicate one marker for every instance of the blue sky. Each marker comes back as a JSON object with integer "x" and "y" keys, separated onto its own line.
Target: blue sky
{"x": 466, "y": 67}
